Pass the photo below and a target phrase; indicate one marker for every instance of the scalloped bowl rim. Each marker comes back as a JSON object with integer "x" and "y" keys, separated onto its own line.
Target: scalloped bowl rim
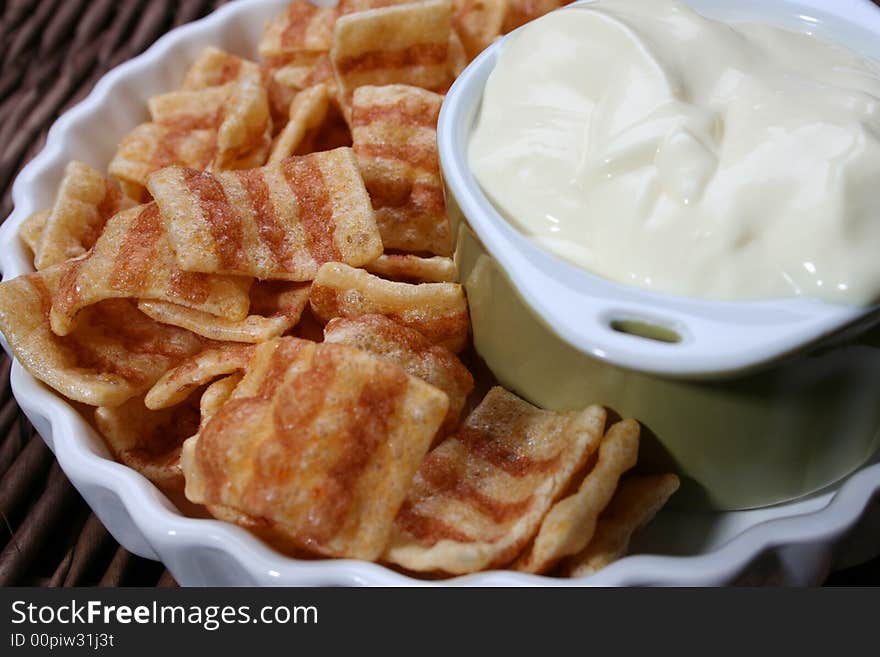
{"x": 157, "y": 530}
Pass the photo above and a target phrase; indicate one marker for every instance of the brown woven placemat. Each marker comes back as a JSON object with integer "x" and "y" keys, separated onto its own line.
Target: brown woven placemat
{"x": 52, "y": 54}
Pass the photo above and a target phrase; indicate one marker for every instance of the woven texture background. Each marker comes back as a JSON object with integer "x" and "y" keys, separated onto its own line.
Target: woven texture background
{"x": 52, "y": 54}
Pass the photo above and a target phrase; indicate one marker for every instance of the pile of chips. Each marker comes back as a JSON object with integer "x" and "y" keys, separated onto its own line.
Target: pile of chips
{"x": 258, "y": 303}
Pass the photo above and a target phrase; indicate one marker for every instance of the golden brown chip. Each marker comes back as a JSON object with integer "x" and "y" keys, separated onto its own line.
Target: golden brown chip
{"x": 85, "y": 201}
{"x": 354, "y": 6}
{"x": 307, "y": 112}
{"x": 570, "y": 524}
{"x": 413, "y": 269}
{"x": 151, "y": 147}
{"x": 478, "y": 23}
{"x": 280, "y": 221}
{"x": 479, "y": 496}
{"x": 394, "y": 132}
{"x": 276, "y": 307}
{"x": 436, "y": 310}
{"x": 149, "y": 441}
{"x": 303, "y": 27}
{"x": 31, "y": 230}
{"x": 238, "y": 111}
{"x": 133, "y": 258}
{"x": 286, "y": 82}
{"x": 326, "y": 455}
{"x": 402, "y": 44}
{"x": 413, "y": 352}
{"x": 214, "y": 68}
{"x": 458, "y": 59}
{"x": 215, "y": 396}
{"x": 114, "y": 354}
{"x": 520, "y": 12}
{"x": 176, "y": 384}
{"x": 636, "y": 502}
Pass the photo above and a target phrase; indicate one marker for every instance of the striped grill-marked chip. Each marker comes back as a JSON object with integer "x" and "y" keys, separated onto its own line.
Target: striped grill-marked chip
{"x": 133, "y": 258}
{"x": 636, "y": 502}
{"x": 214, "y": 67}
{"x": 280, "y": 221}
{"x": 438, "y": 311}
{"x": 570, "y": 524}
{"x": 275, "y": 308}
{"x": 322, "y": 451}
{"x": 402, "y": 44}
{"x": 307, "y": 113}
{"x": 285, "y": 82}
{"x": 85, "y": 201}
{"x": 394, "y": 135}
{"x": 303, "y": 27}
{"x": 480, "y": 496}
{"x": 478, "y": 23}
{"x": 412, "y": 268}
{"x": 114, "y": 353}
{"x": 151, "y": 147}
{"x": 148, "y": 441}
{"x": 413, "y": 352}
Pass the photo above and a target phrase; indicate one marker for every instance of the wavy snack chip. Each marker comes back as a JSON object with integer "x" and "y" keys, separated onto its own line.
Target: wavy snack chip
{"x": 85, "y": 201}
{"x": 307, "y": 113}
{"x": 133, "y": 258}
{"x": 412, "y": 268}
{"x": 151, "y": 147}
{"x": 285, "y": 82}
{"x": 326, "y": 456}
{"x": 570, "y": 524}
{"x": 480, "y": 495}
{"x": 275, "y": 308}
{"x": 436, "y": 310}
{"x": 302, "y": 28}
{"x": 478, "y": 23}
{"x": 637, "y": 501}
{"x": 177, "y": 383}
{"x": 31, "y": 230}
{"x": 214, "y": 67}
{"x": 413, "y": 352}
{"x": 216, "y": 395}
{"x": 280, "y": 221}
{"x": 402, "y": 44}
{"x": 149, "y": 441}
{"x": 115, "y": 352}
{"x": 394, "y": 135}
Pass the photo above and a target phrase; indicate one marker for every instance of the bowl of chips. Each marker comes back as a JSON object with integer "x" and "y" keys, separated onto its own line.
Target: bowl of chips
{"x": 230, "y": 294}
{"x": 731, "y": 392}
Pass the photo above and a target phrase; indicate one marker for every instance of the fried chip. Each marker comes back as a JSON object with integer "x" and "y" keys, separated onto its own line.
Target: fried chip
{"x": 303, "y": 27}
{"x": 214, "y": 68}
{"x": 326, "y": 455}
{"x": 394, "y": 132}
{"x": 412, "y": 268}
{"x": 276, "y": 307}
{"x": 177, "y": 383}
{"x": 480, "y": 496}
{"x": 114, "y": 354}
{"x": 281, "y": 221}
{"x": 413, "y": 352}
{"x": 307, "y": 113}
{"x": 133, "y": 258}
{"x": 151, "y": 147}
{"x": 215, "y": 396}
{"x": 238, "y": 111}
{"x": 520, "y": 12}
{"x": 85, "y": 201}
{"x": 286, "y": 82}
{"x": 637, "y": 501}
{"x": 570, "y": 524}
{"x": 402, "y": 44}
{"x": 436, "y": 310}
{"x": 148, "y": 441}
{"x": 31, "y": 230}
{"x": 478, "y": 23}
